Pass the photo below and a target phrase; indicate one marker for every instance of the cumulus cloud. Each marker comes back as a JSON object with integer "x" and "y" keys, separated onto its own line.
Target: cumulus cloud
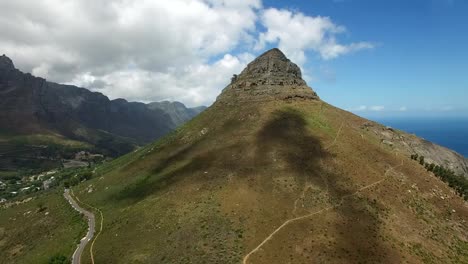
{"x": 194, "y": 84}
{"x": 360, "y": 108}
{"x": 377, "y": 108}
{"x": 148, "y": 50}
{"x": 374, "y": 108}
{"x": 295, "y": 33}
{"x": 142, "y": 50}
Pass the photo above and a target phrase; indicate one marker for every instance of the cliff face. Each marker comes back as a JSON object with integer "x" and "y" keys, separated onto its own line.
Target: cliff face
{"x": 30, "y": 105}
{"x": 271, "y": 76}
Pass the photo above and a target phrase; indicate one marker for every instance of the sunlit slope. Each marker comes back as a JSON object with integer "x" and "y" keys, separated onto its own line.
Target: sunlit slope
{"x": 39, "y": 228}
{"x": 295, "y": 181}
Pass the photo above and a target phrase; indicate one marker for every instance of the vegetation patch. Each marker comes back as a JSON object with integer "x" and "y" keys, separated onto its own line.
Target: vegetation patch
{"x": 457, "y": 182}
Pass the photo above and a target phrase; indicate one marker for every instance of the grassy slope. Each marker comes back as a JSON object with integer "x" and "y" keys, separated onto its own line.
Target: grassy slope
{"x": 214, "y": 189}
{"x": 21, "y": 152}
{"x": 28, "y": 235}
{"x": 43, "y": 139}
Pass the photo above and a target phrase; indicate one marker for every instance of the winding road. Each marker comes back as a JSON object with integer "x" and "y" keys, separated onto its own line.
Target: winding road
{"x": 76, "y": 258}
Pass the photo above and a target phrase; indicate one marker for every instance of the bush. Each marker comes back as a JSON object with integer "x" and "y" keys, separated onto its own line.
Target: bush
{"x": 59, "y": 259}
{"x": 86, "y": 176}
{"x": 421, "y": 160}
{"x": 66, "y": 184}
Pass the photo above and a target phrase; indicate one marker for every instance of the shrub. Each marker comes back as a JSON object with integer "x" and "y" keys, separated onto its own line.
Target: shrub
{"x": 421, "y": 160}
{"x": 59, "y": 259}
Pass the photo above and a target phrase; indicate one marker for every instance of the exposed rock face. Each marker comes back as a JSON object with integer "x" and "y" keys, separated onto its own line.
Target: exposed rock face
{"x": 439, "y": 155}
{"x": 271, "y": 76}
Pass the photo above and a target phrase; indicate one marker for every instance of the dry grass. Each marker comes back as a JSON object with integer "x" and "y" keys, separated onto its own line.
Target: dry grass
{"x": 213, "y": 190}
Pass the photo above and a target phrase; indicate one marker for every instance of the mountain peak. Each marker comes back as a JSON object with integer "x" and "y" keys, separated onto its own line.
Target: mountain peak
{"x": 274, "y": 53}
{"x": 6, "y": 63}
{"x": 271, "y": 76}
{"x": 272, "y": 64}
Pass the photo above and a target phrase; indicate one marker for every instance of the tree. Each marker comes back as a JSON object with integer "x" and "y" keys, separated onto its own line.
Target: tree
{"x": 431, "y": 167}
{"x": 458, "y": 182}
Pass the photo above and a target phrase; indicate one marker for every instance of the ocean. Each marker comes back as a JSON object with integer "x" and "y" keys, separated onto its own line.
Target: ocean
{"x": 448, "y": 132}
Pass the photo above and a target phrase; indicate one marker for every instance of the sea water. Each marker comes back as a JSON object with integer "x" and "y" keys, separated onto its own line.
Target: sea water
{"x": 448, "y": 132}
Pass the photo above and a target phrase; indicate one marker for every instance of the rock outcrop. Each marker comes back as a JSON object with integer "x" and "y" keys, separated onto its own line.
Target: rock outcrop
{"x": 412, "y": 144}
{"x": 271, "y": 76}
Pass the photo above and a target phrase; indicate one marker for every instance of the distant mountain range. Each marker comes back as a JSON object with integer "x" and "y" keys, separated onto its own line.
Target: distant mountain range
{"x": 31, "y": 105}
{"x": 177, "y": 111}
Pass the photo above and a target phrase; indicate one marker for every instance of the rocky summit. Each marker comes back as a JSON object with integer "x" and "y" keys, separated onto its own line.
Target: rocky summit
{"x": 272, "y": 76}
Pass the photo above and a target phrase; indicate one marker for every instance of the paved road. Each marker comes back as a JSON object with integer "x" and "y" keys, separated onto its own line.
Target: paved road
{"x": 76, "y": 258}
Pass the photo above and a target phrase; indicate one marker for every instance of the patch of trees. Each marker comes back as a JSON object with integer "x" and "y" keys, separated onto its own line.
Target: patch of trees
{"x": 59, "y": 259}
{"x": 77, "y": 178}
{"x": 457, "y": 182}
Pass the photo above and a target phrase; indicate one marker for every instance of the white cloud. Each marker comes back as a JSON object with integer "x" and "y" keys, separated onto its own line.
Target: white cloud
{"x": 403, "y": 109}
{"x": 374, "y": 108}
{"x": 195, "y": 84}
{"x": 153, "y": 49}
{"x": 377, "y": 108}
{"x": 149, "y": 50}
{"x": 296, "y": 33}
{"x": 360, "y": 108}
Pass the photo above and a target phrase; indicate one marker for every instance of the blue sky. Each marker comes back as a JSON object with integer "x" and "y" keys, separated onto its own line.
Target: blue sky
{"x": 419, "y": 63}
{"x": 377, "y": 58}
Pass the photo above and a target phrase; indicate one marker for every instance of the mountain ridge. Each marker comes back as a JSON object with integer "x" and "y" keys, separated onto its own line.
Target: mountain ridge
{"x": 32, "y": 105}
{"x": 178, "y": 112}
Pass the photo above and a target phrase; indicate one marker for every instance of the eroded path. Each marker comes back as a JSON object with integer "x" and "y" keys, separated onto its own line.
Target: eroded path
{"x": 292, "y": 220}
{"x": 76, "y": 258}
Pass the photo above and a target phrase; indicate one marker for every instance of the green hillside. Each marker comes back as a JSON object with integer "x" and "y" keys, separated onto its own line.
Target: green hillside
{"x": 215, "y": 189}
{"x": 272, "y": 174}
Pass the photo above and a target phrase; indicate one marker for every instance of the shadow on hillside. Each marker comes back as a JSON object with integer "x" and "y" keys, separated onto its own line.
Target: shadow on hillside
{"x": 286, "y": 137}
{"x": 193, "y": 160}
{"x": 157, "y": 179}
